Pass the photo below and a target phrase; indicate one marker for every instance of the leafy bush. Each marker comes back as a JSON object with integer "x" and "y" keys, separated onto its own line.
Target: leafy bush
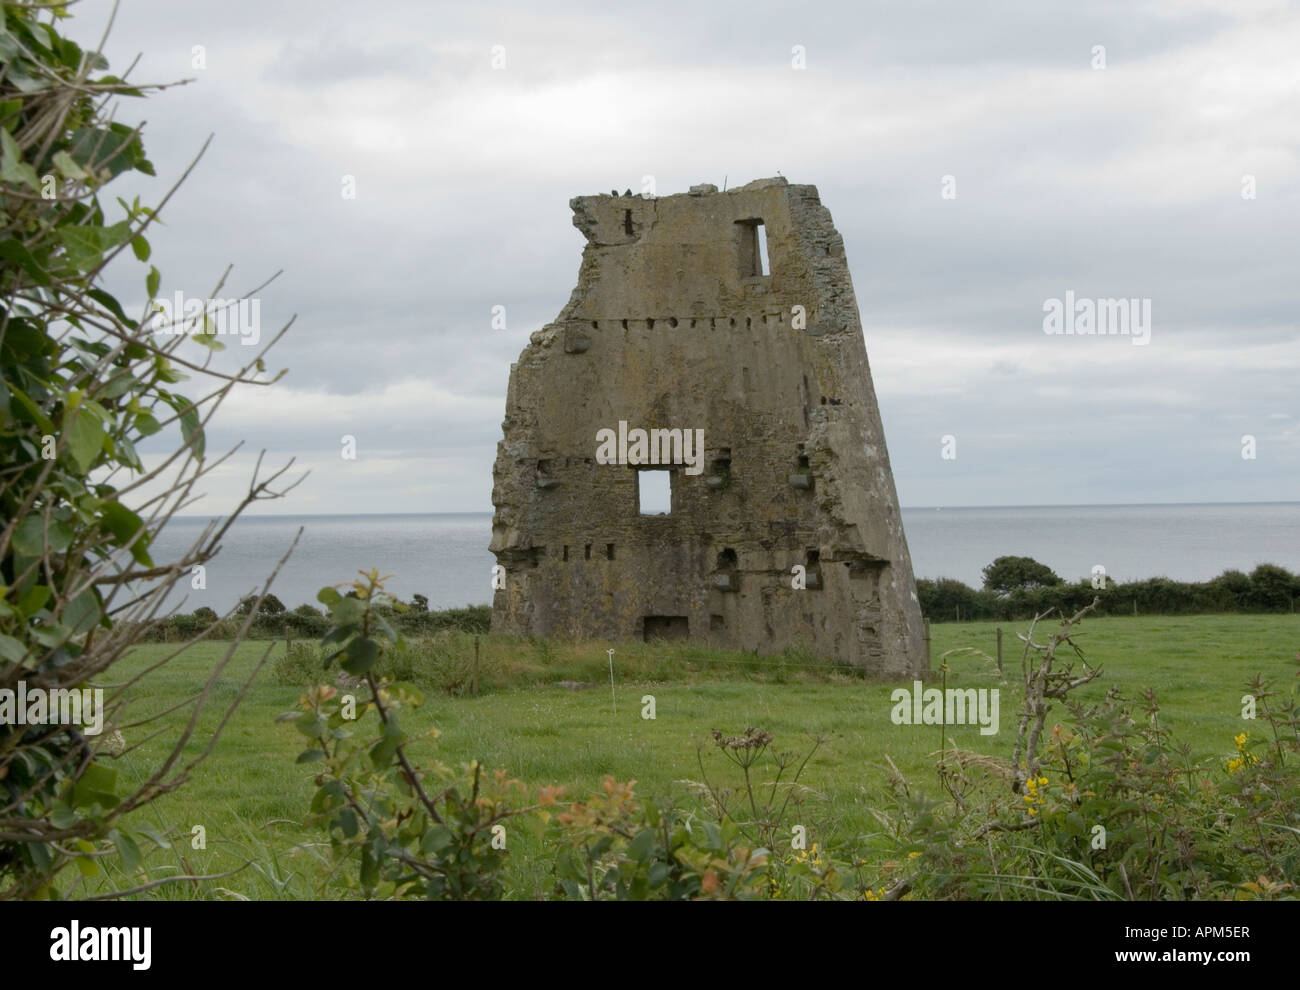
{"x": 1010, "y": 574}
{"x": 409, "y": 831}
{"x": 1107, "y": 805}
{"x": 298, "y": 666}
{"x": 84, "y": 385}
{"x": 1272, "y": 588}
{"x": 266, "y": 605}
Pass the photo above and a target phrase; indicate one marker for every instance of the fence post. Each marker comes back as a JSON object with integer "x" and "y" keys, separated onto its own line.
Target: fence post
{"x": 611, "y": 681}
{"x": 999, "y": 649}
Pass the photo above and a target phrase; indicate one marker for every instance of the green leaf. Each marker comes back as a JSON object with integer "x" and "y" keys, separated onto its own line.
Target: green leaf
{"x": 83, "y": 612}
{"x": 113, "y": 148}
{"x": 151, "y": 282}
{"x": 328, "y": 597}
{"x": 147, "y": 425}
{"x": 97, "y": 785}
{"x": 11, "y": 649}
{"x": 88, "y": 866}
{"x": 310, "y": 756}
{"x": 9, "y": 49}
{"x": 82, "y": 245}
{"x": 348, "y": 611}
{"x": 86, "y": 244}
{"x": 85, "y": 439}
{"x": 31, "y": 408}
{"x": 712, "y": 837}
{"x": 29, "y": 537}
{"x": 12, "y": 167}
{"x": 126, "y": 849}
{"x": 382, "y": 752}
{"x": 639, "y": 848}
{"x": 192, "y": 431}
{"x": 208, "y": 337}
{"x": 328, "y": 797}
{"x": 62, "y": 815}
{"x": 347, "y": 821}
{"x": 68, "y": 168}
{"x": 112, "y": 305}
{"x": 437, "y": 838}
{"x": 52, "y": 636}
{"x": 151, "y": 833}
{"x": 369, "y": 869}
{"x": 362, "y": 653}
{"x": 34, "y": 600}
{"x": 12, "y": 250}
{"x": 117, "y": 519}
{"x": 140, "y": 246}
{"x": 309, "y": 725}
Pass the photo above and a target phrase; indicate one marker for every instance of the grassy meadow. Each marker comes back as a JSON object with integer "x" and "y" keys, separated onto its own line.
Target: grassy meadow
{"x": 249, "y": 796}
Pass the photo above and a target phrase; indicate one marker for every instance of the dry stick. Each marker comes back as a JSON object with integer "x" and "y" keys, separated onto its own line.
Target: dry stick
{"x": 157, "y": 778}
{"x": 113, "y": 895}
{"x": 401, "y": 754}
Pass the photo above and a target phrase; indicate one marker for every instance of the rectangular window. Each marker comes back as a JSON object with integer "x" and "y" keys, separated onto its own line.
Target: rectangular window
{"x": 654, "y": 493}
{"x": 666, "y": 627}
{"x": 753, "y": 249}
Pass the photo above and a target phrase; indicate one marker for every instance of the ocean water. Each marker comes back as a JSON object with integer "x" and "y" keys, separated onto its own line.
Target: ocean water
{"x": 445, "y": 556}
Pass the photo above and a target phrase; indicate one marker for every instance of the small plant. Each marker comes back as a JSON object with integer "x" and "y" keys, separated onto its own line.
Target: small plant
{"x": 410, "y": 830}
{"x": 613, "y": 847}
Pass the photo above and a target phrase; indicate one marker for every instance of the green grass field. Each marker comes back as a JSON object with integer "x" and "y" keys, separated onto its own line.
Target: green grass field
{"x": 249, "y": 795}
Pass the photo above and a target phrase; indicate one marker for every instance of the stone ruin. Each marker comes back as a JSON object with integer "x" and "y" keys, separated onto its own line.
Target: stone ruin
{"x": 684, "y": 356}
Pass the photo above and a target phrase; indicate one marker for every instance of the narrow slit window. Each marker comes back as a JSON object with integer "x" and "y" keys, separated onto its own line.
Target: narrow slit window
{"x": 753, "y": 249}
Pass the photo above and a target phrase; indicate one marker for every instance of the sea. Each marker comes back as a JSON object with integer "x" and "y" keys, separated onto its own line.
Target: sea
{"x": 445, "y": 557}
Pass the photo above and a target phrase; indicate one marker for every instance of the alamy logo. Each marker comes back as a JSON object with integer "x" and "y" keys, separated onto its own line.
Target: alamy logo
{"x": 655, "y": 446}
{"x": 59, "y": 706}
{"x": 955, "y": 706}
{"x": 1128, "y": 317}
{"x": 224, "y": 317}
{"x": 77, "y": 944}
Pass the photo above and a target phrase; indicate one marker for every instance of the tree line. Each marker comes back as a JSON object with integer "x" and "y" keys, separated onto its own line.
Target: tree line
{"x": 1017, "y": 588}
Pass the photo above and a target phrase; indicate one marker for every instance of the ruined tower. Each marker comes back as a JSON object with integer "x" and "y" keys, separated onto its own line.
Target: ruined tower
{"x": 784, "y": 529}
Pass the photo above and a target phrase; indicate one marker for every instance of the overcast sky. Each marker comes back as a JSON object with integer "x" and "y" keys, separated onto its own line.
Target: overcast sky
{"x": 1122, "y": 181}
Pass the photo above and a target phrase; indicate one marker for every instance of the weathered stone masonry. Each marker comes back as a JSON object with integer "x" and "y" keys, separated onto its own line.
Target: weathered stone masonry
{"x": 675, "y": 324}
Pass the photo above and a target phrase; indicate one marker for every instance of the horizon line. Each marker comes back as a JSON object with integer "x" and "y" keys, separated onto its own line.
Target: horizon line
{"x": 905, "y": 508}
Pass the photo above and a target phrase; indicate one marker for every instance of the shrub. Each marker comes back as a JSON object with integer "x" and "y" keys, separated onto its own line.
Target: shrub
{"x": 84, "y": 385}
{"x": 270, "y": 605}
{"x": 1008, "y": 574}
{"x": 408, "y": 831}
{"x": 1272, "y": 588}
{"x": 298, "y": 666}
